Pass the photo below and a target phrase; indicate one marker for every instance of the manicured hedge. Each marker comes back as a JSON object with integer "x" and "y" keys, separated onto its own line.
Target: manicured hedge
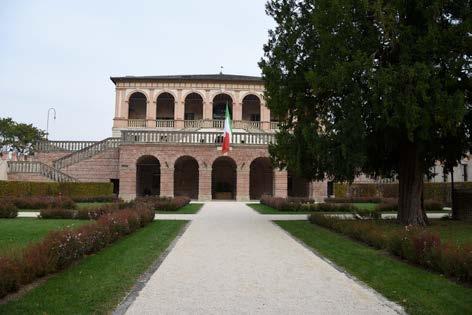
{"x": 392, "y": 206}
{"x": 416, "y": 245}
{"x": 307, "y": 205}
{"x": 165, "y": 203}
{"x": 8, "y": 210}
{"x": 19, "y": 188}
{"x": 61, "y": 248}
{"x": 353, "y": 200}
{"x": 40, "y": 202}
{"x": 440, "y": 192}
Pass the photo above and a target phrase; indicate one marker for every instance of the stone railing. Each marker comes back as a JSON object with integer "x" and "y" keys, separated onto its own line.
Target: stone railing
{"x": 137, "y": 123}
{"x": 274, "y": 125}
{"x": 85, "y": 153}
{"x": 39, "y": 168}
{"x": 218, "y": 124}
{"x": 164, "y": 123}
{"x": 246, "y": 124}
{"x": 194, "y": 123}
{"x": 51, "y": 146}
{"x": 194, "y": 137}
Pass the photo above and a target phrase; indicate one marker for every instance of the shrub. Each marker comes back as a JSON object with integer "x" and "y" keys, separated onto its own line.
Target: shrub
{"x": 104, "y": 198}
{"x": 41, "y": 202}
{"x": 8, "y": 276}
{"x": 21, "y": 188}
{"x": 416, "y": 245}
{"x": 56, "y": 213}
{"x": 164, "y": 203}
{"x": 61, "y": 248}
{"x": 391, "y": 205}
{"x": 353, "y": 200}
{"x": 8, "y": 210}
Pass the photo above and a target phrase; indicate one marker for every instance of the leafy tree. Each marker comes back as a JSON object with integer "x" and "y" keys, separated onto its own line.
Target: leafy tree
{"x": 20, "y": 136}
{"x": 375, "y": 87}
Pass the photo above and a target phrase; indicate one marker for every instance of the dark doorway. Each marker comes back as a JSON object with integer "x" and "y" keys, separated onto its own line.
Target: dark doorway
{"x": 148, "y": 176}
{"x": 261, "y": 178}
{"x": 223, "y": 178}
{"x": 186, "y": 177}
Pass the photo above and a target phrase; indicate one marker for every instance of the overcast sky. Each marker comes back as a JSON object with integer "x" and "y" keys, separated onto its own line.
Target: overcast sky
{"x": 61, "y": 53}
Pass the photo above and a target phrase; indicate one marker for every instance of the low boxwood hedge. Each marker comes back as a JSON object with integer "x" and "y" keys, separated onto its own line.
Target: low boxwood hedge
{"x": 19, "y": 189}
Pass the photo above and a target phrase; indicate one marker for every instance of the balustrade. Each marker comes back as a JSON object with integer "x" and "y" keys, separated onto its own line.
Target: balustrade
{"x": 164, "y": 123}
{"x": 39, "y": 168}
{"x": 137, "y": 123}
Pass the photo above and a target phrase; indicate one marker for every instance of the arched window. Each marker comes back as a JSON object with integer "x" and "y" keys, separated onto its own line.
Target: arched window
{"x": 165, "y": 105}
{"x": 251, "y": 107}
{"x": 193, "y": 107}
{"x": 137, "y": 106}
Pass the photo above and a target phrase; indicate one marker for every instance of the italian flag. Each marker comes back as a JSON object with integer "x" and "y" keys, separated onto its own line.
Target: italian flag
{"x": 228, "y": 131}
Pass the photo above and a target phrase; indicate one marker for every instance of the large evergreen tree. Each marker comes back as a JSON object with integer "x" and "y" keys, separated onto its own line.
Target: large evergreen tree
{"x": 376, "y": 87}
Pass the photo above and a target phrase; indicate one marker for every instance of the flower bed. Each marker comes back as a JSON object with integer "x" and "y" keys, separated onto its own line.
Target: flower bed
{"x": 40, "y": 202}
{"x": 104, "y": 198}
{"x": 415, "y": 245}
{"x": 164, "y": 203}
{"x": 61, "y": 248}
{"x": 308, "y": 205}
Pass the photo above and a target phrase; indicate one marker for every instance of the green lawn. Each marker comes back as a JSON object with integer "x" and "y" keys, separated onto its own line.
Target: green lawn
{"x": 190, "y": 208}
{"x": 419, "y": 291}
{"x": 98, "y": 283}
{"x": 365, "y": 205}
{"x": 19, "y": 232}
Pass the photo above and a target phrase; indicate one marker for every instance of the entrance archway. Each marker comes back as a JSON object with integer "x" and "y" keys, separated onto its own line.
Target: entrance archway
{"x": 165, "y": 104}
{"x": 186, "y": 177}
{"x": 148, "y": 176}
{"x": 297, "y": 186}
{"x": 261, "y": 178}
{"x": 223, "y": 178}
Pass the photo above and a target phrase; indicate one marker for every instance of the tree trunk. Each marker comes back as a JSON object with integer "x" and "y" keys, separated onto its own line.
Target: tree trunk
{"x": 410, "y": 210}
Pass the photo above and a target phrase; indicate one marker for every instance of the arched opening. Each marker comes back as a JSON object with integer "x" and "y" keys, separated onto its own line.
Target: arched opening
{"x": 165, "y": 105}
{"x": 261, "y": 178}
{"x": 148, "y": 176}
{"x": 137, "y": 106}
{"x": 219, "y": 106}
{"x": 193, "y": 107}
{"x": 186, "y": 177}
{"x": 251, "y": 107}
{"x": 297, "y": 186}
{"x": 223, "y": 178}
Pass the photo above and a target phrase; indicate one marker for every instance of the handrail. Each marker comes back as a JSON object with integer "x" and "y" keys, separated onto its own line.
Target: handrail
{"x": 62, "y": 145}
{"x": 137, "y": 123}
{"x": 39, "y": 168}
{"x": 85, "y": 153}
{"x": 194, "y": 137}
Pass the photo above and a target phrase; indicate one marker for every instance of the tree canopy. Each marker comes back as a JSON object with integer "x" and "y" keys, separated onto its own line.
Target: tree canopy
{"x": 374, "y": 87}
{"x": 19, "y": 136}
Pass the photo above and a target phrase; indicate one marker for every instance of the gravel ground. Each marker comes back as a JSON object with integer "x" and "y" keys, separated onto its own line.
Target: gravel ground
{"x": 232, "y": 260}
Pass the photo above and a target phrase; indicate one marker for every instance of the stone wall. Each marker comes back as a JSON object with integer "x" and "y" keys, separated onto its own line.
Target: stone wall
{"x": 28, "y": 177}
{"x": 99, "y": 168}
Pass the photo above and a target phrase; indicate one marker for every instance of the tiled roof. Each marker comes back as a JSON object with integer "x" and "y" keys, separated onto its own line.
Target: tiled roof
{"x": 190, "y": 77}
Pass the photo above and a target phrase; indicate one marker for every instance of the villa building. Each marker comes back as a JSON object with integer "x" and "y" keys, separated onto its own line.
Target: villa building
{"x": 166, "y": 140}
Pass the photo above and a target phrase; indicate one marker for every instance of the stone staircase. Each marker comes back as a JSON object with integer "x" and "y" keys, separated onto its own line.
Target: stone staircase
{"x": 86, "y": 153}
{"x": 36, "y": 167}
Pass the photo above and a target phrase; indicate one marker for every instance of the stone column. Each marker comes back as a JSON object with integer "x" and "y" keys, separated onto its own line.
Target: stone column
{"x": 151, "y": 114}
{"x": 167, "y": 181}
{"x": 127, "y": 182}
{"x": 179, "y": 111}
{"x": 242, "y": 190}
{"x": 237, "y": 111}
{"x": 207, "y": 110}
{"x": 204, "y": 184}
{"x": 280, "y": 183}
{"x": 265, "y": 117}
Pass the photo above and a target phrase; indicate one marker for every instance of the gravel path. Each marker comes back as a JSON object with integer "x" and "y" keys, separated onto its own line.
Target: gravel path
{"x": 232, "y": 260}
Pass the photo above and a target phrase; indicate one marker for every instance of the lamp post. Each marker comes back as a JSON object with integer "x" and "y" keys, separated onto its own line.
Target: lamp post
{"x": 47, "y": 124}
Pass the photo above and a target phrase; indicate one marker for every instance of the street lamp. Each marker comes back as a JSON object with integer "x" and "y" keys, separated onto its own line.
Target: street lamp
{"x": 47, "y": 124}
